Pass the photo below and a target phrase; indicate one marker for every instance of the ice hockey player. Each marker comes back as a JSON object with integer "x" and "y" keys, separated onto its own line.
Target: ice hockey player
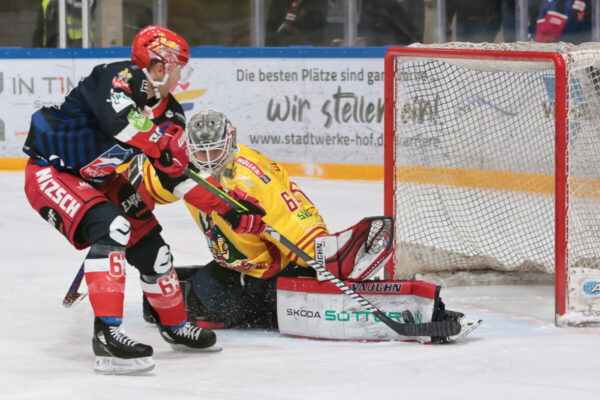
{"x": 238, "y": 288}
{"x": 70, "y": 180}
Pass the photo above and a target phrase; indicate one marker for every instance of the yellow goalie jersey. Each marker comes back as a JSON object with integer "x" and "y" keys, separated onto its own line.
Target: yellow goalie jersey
{"x": 289, "y": 211}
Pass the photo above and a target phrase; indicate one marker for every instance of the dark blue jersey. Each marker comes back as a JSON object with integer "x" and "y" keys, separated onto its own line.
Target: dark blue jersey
{"x": 87, "y": 134}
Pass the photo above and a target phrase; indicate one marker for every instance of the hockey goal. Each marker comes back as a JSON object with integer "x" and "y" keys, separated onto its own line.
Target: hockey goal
{"x": 492, "y": 167}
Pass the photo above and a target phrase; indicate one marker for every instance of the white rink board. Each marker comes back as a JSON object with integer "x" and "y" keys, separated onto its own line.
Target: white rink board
{"x": 293, "y": 109}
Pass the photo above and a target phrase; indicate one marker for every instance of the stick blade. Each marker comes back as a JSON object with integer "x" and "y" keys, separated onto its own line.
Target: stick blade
{"x": 72, "y": 299}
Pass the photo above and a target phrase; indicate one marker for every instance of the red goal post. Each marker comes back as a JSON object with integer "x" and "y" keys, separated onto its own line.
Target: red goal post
{"x": 490, "y": 168}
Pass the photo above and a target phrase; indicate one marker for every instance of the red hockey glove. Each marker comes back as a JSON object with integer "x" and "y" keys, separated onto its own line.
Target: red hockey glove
{"x": 551, "y": 27}
{"x": 249, "y": 221}
{"x": 174, "y": 156}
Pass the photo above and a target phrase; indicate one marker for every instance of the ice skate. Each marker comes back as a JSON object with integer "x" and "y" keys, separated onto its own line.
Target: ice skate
{"x": 189, "y": 337}
{"x": 116, "y": 353}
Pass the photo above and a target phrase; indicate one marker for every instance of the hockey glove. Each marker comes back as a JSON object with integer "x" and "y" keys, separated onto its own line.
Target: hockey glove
{"x": 174, "y": 156}
{"x": 551, "y": 27}
{"x": 359, "y": 252}
{"x": 249, "y": 221}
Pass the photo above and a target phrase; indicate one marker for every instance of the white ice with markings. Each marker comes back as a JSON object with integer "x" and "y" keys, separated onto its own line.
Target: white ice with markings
{"x": 45, "y": 349}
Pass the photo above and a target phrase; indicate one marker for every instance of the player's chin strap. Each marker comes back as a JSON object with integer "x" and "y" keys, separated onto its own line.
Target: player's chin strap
{"x": 155, "y": 84}
{"x": 436, "y": 328}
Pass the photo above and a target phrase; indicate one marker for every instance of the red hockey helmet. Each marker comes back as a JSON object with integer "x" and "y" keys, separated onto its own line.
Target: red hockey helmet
{"x": 156, "y": 42}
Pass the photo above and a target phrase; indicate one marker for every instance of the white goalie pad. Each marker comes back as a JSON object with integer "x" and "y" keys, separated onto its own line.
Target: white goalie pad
{"x": 358, "y": 252}
{"x": 319, "y": 310}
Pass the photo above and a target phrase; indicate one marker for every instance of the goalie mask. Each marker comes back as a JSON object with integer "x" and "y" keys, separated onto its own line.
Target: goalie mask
{"x": 211, "y": 141}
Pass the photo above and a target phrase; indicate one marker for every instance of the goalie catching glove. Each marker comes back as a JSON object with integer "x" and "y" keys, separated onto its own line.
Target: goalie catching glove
{"x": 359, "y": 252}
{"x": 248, "y": 221}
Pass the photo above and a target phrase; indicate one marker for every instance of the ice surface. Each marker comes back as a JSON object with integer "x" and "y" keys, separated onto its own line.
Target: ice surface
{"x": 45, "y": 349}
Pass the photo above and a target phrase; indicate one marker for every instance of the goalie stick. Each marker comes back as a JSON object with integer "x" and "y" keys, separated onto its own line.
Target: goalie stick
{"x": 73, "y": 295}
{"x": 434, "y": 329}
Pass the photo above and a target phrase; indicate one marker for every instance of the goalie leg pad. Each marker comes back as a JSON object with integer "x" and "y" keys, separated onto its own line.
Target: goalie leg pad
{"x": 226, "y": 299}
{"x": 320, "y": 310}
{"x": 358, "y": 252}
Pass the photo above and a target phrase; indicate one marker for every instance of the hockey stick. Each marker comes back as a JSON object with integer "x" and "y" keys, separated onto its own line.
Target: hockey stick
{"x": 73, "y": 295}
{"x": 436, "y": 329}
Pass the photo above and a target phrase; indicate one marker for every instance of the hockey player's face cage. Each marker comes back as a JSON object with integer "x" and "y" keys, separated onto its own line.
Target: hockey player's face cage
{"x": 211, "y": 140}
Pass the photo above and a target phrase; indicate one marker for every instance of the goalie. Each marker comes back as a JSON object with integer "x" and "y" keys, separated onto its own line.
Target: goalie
{"x": 239, "y": 287}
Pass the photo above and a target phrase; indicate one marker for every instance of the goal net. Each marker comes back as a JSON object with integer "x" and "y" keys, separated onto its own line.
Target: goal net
{"x": 492, "y": 167}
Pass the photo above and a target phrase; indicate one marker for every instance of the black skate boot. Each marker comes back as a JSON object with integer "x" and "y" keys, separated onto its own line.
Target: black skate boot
{"x": 189, "y": 337}
{"x": 118, "y": 354}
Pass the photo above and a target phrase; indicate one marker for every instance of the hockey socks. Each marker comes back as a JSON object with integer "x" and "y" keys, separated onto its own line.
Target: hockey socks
{"x": 164, "y": 294}
{"x": 105, "y": 278}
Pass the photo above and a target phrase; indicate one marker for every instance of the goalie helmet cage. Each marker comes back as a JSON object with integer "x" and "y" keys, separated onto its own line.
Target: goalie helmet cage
{"x": 492, "y": 166}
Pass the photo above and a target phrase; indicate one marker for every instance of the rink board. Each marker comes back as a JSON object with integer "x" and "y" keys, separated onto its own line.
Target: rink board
{"x": 315, "y": 110}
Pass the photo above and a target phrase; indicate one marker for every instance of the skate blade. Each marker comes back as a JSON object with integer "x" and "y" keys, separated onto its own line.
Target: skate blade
{"x": 467, "y": 325}
{"x": 183, "y": 348}
{"x": 121, "y": 366}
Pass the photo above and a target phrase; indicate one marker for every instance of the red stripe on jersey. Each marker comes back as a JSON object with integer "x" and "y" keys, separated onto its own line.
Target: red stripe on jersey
{"x": 156, "y": 110}
{"x": 205, "y": 201}
{"x": 309, "y": 235}
{"x": 275, "y": 265}
{"x": 306, "y": 240}
{"x": 147, "y": 141}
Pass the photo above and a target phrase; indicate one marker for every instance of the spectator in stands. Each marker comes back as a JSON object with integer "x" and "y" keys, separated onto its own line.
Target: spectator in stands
{"x": 476, "y": 21}
{"x": 296, "y": 22}
{"x": 322, "y": 22}
{"x": 46, "y": 29}
{"x": 564, "y": 20}
{"x": 509, "y": 21}
{"x": 392, "y": 22}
